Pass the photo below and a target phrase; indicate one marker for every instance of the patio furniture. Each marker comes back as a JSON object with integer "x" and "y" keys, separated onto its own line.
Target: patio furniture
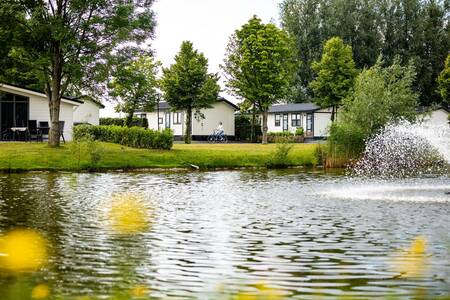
{"x": 33, "y": 131}
{"x": 18, "y": 130}
{"x": 61, "y": 130}
{"x": 43, "y": 128}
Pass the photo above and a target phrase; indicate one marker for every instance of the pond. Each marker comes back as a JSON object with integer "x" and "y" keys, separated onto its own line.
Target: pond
{"x": 301, "y": 232}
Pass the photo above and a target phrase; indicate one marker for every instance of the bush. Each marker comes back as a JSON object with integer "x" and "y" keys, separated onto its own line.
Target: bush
{"x": 136, "y": 122}
{"x": 286, "y": 136}
{"x": 345, "y": 142}
{"x": 243, "y": 126}
{"x": 136, "y": 137}
{"x": 280, "y": 156}
{"x": 299, "y": 131}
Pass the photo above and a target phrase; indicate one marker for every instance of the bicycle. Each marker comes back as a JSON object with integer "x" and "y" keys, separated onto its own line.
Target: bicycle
{"x": 217, "y": 138}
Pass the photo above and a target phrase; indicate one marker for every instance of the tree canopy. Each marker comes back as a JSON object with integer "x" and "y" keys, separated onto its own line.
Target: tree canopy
{"x": 444, "y": 81}
{"x": 67, "y": 44}
{"x": 188, "y": 86}
{"x": 336, "y": 73}
{"x": 259, "y": 66}
{"x": 411, "y": 29}
{"x": 134, "y": 85}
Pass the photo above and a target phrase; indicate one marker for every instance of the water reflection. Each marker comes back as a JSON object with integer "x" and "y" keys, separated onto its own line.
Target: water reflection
{"x": 234, "y": 230}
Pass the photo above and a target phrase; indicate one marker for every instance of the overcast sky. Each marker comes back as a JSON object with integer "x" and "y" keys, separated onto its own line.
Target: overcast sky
{"x": 207, "y": 23}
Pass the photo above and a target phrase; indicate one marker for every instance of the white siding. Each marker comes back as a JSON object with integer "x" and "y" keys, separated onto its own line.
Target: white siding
{"x": 322, "y": 122}
{"x": 39, "y": 111}
{"x": 220, "y": 112}
{"x": 88, "y": 112}
{"x": 271, "y": 122}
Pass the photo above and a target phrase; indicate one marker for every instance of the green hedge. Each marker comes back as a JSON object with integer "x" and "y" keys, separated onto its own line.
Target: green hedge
{"x": 136, "y": 137}
{"x": 139, "y": 122}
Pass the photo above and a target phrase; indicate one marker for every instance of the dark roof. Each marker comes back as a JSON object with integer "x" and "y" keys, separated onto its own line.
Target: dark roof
{"x": 293, "y": 107}
{"x": 165, "y": 105}
{"x": 71, "y": 98}
{"x": 95, "y": 101}
{"x": 423, "y": 109}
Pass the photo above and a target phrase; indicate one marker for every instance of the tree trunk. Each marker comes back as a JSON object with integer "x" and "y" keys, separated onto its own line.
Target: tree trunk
{"x": 188, "y": 135}
{"x": 264, "y": 127}
{"x": 129, "y": 119}
{"x": 54, "y": 95}
{"x": 333, "y": 112}
{"x": 252, "y": 132}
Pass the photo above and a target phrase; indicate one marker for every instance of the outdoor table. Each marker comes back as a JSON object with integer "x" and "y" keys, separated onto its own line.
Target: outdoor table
{"x": 19, "y": 129}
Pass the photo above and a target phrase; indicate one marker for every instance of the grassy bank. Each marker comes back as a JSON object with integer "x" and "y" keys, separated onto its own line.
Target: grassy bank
{"x": 38, "y": 156}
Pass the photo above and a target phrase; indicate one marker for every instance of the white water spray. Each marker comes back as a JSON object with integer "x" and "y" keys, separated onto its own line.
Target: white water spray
{"x": 403, "y": 149}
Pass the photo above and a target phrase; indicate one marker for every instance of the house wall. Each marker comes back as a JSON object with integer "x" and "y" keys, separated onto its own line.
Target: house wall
{"x": 220, "y": 112}
{"x": 271, "y": 122}
{"x": 322, "y": 122}
{"x": 438, "y": 117}
{"x": 88, "y": 112}
{"x": 39, "y": 111}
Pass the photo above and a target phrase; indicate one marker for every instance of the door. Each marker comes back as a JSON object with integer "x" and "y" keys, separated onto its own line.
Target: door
{"x": 14, "y": 111}
{"x": 167, "y": 119}
{"x": 309, "y": 125}
{"x": 285, "y": 122}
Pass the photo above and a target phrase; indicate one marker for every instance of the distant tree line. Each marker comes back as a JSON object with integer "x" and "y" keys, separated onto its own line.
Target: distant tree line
{"x": 417, "y": 31}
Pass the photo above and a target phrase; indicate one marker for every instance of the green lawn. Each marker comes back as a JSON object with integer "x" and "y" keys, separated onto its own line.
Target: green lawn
{"x": 38, "y": 156}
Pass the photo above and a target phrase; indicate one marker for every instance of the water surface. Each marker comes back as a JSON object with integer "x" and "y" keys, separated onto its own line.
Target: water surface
{"x": 300, "y": 232}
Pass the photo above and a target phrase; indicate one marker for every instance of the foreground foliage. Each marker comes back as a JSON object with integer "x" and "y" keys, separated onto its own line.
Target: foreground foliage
{"x": 38, "y": 156}
{"x": 136, "y": 137}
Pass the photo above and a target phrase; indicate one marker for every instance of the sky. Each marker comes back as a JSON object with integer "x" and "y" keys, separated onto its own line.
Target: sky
{"x": 206, "y": 23}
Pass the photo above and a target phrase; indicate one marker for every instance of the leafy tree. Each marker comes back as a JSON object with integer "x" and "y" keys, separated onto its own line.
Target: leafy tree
{"x": 188, "y": 86}
{"x": 444, "y": 81}
{"x": 134, "y": 85}
{"x": 259, "y": 66}
{"x": 66, "y": 44}
{"x": 381, "y": 95}
{"x": 335, "y": 74}
{"x": 412, "y": 29}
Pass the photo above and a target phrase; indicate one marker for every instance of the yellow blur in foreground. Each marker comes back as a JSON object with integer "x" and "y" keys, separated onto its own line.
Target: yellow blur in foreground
{"x": 139, "y": 291}
{"x": 263, "y": 292}
{"x": 40, "y": 291}
{"x": 412, "y": 262}
{"x": 128, "y": 214}
{"x": 22, "y": 250}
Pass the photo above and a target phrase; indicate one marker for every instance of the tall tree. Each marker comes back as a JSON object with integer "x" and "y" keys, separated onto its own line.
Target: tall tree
{"x": 444, "y": 81}
{"x": 188, "y": 86}
{"x": 413, "y": 29}
{"x": 134, "y": 84}
{"x": 67, "y": 43}
{"x": 259, "y": 66}
{"x": 336, "y": 73}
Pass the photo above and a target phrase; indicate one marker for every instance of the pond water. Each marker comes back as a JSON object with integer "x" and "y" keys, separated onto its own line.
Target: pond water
{"x": 301, "y": 232}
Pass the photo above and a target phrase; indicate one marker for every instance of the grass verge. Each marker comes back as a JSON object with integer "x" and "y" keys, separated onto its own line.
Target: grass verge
{"x": 15, "y": 157}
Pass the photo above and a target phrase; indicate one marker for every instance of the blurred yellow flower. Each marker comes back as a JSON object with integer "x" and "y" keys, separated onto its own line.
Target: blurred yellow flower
{"x": 264, "y": 292}
{"x": 40, "y": 291}
{"x": 22, "y": 250}
{"x": 128, "y": 214}
{"x": 139, "y": 291}
{"x": 412, "y": 262}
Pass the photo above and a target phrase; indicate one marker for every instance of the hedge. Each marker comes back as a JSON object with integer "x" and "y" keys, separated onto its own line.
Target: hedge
{"x": 139, "y": 122}
{"x": 136, "y": 137}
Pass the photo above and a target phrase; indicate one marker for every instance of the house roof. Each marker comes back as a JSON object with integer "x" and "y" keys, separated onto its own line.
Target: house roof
{"x": 39, "y": 93}
{"x": 165, "y": 105}
{"x": 423, "y": 109}
{"x": 293, "y": 107}
{"x": 93, "y": 100}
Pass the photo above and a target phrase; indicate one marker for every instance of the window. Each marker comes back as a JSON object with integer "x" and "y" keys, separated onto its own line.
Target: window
{"x": 176, "y": 118}
{"x": 277, "y": 120}
{"x": 161, "y": 120}
{"x": 296, "y": 120}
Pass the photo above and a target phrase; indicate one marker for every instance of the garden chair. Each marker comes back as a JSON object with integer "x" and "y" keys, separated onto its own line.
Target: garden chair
{"x": 44, "y": 128}
{"x": 61, "y": 131}
{"x": 33, "y": 131}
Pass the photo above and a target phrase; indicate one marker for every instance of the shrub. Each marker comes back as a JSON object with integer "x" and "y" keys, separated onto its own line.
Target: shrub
{"x": 244, "y": 128}
{"x": 136, "y": 137}
{"x": 280, "y": 156}
{"x": 299, "y": 131}
{"x": 138, "y": 122}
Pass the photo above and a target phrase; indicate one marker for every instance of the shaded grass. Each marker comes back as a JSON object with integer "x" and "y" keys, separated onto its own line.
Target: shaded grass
{"x": 38, "y": 156}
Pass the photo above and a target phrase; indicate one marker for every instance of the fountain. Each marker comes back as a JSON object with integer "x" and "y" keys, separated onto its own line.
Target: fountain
{"x": 403, "y": 149}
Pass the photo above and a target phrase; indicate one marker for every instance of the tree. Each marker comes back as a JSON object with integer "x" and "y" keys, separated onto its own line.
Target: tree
{"x": 336, "y": 73}
{"x": 259, "y": 66}
{"x": 66, "y": 44}
{"x": 134, "y": 85}
{"x": 381, "y": 95}
{"x": 188, "y": 86}
{"x": 444, "y": 81}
